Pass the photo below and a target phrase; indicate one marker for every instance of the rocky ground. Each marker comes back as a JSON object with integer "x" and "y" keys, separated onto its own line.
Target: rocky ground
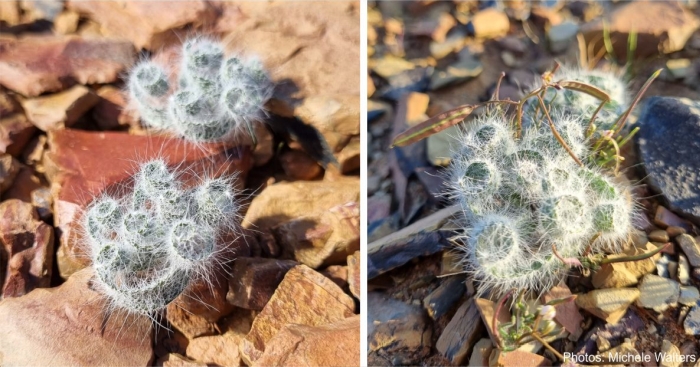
{"x": 65, "y": 137}
{"x": 428, "y": 57}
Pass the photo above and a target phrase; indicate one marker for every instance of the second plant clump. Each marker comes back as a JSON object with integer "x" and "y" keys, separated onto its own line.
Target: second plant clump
{"x": 530, "y": 210}
{"x": 213, "y": 99}
{"x": 147, "y": 247}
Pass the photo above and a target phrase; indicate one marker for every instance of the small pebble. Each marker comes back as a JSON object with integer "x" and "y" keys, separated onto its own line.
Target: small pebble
{"x": 683, "y": 270}
{"x": 674, "y": 231}
{"x": 658, "y": 236}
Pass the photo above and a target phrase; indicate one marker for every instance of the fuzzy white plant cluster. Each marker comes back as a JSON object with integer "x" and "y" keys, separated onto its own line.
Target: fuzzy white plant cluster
{"x": 148, "y": 246}
{"x": 213, "y": 99}
{"x": 527, "y": 204}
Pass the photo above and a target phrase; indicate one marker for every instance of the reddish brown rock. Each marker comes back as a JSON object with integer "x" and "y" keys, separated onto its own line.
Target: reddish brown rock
{"x": 324, "y": 303}
{"x": 322, "y": 240}
{"x": 517, "y": 358}
{"x": 144, "y": 23}
{"x": 26, "y": 181}
{"x": 288, "y": 200}
{"x": 75, "y": 165}
{"x": 567, "y": 314}
{"x": 299, "y": 166}
{"x": 9, "y": 167}
{"x": 222, "y": 350}
{"x": 28, "y": 243}
{"x": 9, "y": 12}
{"x": 254, "y": 280}
{"x": 64, "y": 62}
{"x": 460, "y": 334}
{"x": 60, "y": 110}
{"x": 75, "y": 315}
{"x": 349, "y": 157}
{"x": 111, "y": 110}
{"x": 15, "y": 133}
{"x": 338, "y": 274}
{"x": 298, "y": 345}
{"x": 354, "y": 271}
{"x": 8, "y": 104}
{"x": 316, "y": 57}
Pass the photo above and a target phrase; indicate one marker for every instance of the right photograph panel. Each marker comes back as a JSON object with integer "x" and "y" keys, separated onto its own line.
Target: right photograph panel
{"x": 533, "y": 186}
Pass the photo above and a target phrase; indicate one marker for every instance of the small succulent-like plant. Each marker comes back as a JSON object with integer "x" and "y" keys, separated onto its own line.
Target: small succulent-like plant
{"x": 213, "y": 98}
{"x": 538, "y": 189}
{"x": 147, "y": 247}
{"x": 527, "y": 205}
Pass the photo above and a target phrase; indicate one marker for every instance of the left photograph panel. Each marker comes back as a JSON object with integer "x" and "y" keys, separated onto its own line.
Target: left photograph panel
{"x": 180, "y": 183}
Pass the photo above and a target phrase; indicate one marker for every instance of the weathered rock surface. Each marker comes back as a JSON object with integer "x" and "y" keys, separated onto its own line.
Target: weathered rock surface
{"x": 518, "y": 358}
{"x": 75, "y": 315}
{"x": 397, "y": 328}
{"x": 660, "y": 26}
{"x": 9, "y": 167}
{"x": 144, "y": 23}
{"x": 60, "y": 110}
{"x": 28, "y": 244}
{"x": 460, "y": 334}
{"x": 608, "y": 304}
{"x": 65, "y": 61}
{"x": 354, "y": 274}
{"x": 672, "y": 168}
{"x": 254, "y": 280}
{"x": 690, "y": 247}
{"x": 222, "y": 350}
{"x": 567, "y": 314}
{"x": 316, "y": 222}
{"x": 692, "y": 321}
{"x": 314, "y": 59}
{"x": 15, "y": 132}
{"x": 298, "y": 345}
{"x": 324, "y": 303}
{"x": 75, "y": 165}
{"x": 658, "y": 293}
{"x": 111, "y": 111}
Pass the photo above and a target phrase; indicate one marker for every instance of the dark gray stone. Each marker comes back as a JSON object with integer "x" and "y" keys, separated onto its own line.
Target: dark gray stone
{"x": 415, "y": 80}
{"x": 669, "y": 148}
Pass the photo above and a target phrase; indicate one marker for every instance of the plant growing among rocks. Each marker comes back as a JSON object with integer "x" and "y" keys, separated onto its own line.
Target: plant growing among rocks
{"x": 147, "y": 247}
{"x": 213, "y": 98}
{"x": 540, "y": 189}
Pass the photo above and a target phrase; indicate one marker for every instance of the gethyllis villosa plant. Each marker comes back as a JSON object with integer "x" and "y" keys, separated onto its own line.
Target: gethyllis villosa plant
{"x": 214, "y": 98}
{"x": 147, "y": 247}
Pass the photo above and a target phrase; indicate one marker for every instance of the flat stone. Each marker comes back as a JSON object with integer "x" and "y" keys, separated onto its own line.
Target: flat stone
{"x": 674, "y": 231}
{"x": 658, "y": 236}
{"x": 561, "y": 36}
{"x": 460, "y": 334}
{"x": 323, "y": 239}
{"x": 518, "y": 358}
{"x": 490, "y": 23}
{"x": 66, "y": 22}
{"x": 414, "y": 80}
{"x": 608, "y": 304}
{"x": 613, "y": 275}
{"x": 658, "y": 293}
{"x": 690, "y": 247}
{"x": 389, "y": 66}
{"x": 253, "y": 281}
{"x": 298, "y": 345}
{"x": 441, "y": 300}
{"x": 692, "y": 321}
{"x": 481, "y": 352}
{"x": 222, "y": 350}
{"x": 60, "y": 110}
{"x": 487, "y": 309}
{"x": 15, "y": 132}
{"x": 689, "y": 296}
{"x": 658, "y": 25}
{"x": 77, "y": 316}
{"x": 672, "y": 169}
{"x": 455, "y": 73}
{"x": 177, "y": 360}
{"x": 666, "y": 218}
{"x": 144, "y": 23}
{"x": 73, "y": 61}
{"x": 28, "y": 245}
{"x": 75, "y": 167}
{"x": 453, "y": 42}
{"x": 567, "y": 314}
{"x": 396, "y": 328}
{"x": 324, "y": 303}
{"x": 683, "y": 270}
{"x": 354, "y": 274}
